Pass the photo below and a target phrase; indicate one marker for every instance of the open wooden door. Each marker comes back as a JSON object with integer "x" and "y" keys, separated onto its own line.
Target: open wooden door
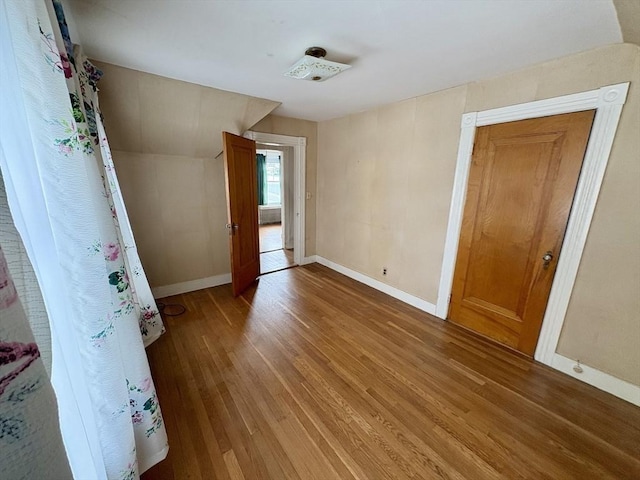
{"x": 522, "y": 182}
{"x": 242, "y": 210}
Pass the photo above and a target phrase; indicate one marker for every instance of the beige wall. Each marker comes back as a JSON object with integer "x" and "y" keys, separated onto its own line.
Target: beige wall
{"x": 384, "y": 186}
{"x": 300, "y": 128}
{"x": 166, "y": 139}
{"x": 177, "y": 208}
{"x": 629, "y": 18}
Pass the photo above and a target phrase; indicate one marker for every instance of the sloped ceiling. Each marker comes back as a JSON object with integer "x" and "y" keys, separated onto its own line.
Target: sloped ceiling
{"x": 398, "y": 49}
{"x": 629, "y": 18}
{"x": 147, "y": 113}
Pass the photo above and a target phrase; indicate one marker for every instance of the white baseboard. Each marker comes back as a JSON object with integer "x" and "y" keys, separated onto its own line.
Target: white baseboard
{"x": 620, "y": 388}
{"x": 190, "y": 286}
{"x": 383, "y": 287}
{"x": 309, "y": 259}
{"x": 608, "y": 383}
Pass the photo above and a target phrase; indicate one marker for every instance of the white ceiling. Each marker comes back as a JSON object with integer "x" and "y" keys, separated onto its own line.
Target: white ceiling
{"x": 398, "y": 49}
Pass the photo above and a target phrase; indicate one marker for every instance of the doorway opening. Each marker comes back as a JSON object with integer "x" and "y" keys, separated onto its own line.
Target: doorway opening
{"x": 275, "y": 207}
{"x": 293, "y": 148}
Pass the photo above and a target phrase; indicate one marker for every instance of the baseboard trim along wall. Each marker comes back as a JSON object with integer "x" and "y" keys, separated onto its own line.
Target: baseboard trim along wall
{"x": 309, "y": 259}
{"x": 383, "y": 287}
{"x": 608, "y": 383}
{"x": 190, "y": 286}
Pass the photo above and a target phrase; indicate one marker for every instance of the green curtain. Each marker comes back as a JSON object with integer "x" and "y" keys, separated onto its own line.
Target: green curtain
{"x": 262, "y": 178}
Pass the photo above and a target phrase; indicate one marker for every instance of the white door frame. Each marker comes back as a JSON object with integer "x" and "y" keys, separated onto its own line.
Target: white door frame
{"x": 299, "y": 145}
{"x": 608, "y": 102}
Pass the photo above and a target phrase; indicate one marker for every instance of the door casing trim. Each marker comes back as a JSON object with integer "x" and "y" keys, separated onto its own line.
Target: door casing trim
{"x": 608, "y": 102}
{"x": 299, "y": 145}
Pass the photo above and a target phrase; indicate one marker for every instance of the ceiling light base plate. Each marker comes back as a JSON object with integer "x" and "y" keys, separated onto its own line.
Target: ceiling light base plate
{"x": 314, "y": 67}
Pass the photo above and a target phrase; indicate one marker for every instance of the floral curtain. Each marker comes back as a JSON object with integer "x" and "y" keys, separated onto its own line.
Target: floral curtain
{"x": 65, "y": 200}
{"x": 89, "y": 135}
{"x": 28, "y": 410}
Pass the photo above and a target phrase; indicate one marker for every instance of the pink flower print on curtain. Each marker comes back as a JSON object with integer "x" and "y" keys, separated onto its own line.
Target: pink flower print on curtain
{"x": 21, "y": 355}
{"x": 111, "y": 251}
{"x": 29, "y": 426}
{"x": 103, "y": 308}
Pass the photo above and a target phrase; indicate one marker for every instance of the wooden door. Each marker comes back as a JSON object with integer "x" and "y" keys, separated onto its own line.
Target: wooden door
{"x": 242, "y": 210}
{"x": 522, "y": 182}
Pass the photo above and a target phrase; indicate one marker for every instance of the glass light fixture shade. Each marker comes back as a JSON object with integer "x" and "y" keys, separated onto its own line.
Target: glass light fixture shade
{"x": 315, "y": 69}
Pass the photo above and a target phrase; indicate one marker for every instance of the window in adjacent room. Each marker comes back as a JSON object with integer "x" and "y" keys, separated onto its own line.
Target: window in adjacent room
{"x": 274, "y": 178}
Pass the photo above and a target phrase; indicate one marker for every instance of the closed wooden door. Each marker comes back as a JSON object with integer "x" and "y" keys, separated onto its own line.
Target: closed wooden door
{"x": 522, "y": 181}
{"x": 242, "y": 210}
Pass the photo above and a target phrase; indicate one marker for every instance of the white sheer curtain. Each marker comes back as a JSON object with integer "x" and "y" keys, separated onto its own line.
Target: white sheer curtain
{"x": 65, "y": 202}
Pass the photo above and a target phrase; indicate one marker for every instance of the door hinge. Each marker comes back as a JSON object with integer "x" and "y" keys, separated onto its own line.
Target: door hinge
{"x": 450, "y": 299}
{"x": 473, "y": 149}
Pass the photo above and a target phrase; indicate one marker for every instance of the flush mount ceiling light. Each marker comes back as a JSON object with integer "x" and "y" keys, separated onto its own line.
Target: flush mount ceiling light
{"x": 314, "y": 67}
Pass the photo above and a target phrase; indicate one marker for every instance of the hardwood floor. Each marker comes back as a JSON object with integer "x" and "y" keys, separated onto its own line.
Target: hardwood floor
{"x": 276, "y": 260}
{"x": 272, "y": 256}
{"x": 270, "y": 237}
{"x": 311, "y": 375}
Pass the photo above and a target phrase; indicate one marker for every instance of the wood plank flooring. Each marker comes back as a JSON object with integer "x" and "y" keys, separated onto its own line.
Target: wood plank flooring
{"x": 311, "y": 375}
{"x": 270, "y": 237}
{"x": 276, "y": 260}
{"x": 272, "y": 256}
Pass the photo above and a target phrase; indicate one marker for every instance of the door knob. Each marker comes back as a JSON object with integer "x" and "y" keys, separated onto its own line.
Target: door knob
{"x": 547, "y": 259}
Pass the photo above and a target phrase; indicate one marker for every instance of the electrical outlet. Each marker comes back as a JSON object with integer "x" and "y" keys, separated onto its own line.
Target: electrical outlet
{"x": 384, "y": 271}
